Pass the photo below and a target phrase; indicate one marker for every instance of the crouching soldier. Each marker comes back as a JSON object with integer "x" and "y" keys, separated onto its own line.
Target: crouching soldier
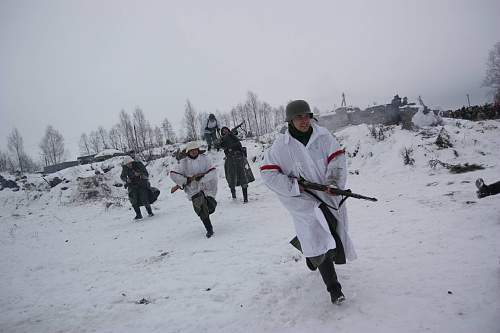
{"x": 311, "y": 152}
{"x": 236, "y": 167}
{"x": 135, "y": 176}
{"x": 196, "y": 175}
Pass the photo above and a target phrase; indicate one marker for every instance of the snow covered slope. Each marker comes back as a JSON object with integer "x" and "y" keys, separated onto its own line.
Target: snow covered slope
{"x": 429, "y": 250}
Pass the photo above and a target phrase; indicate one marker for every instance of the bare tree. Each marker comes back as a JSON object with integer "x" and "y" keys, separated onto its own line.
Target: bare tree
{"x": 168, "y": 131}
{"x": 492, "y": 79}
{"x": 127, "y": 130}
{"x": 201, "y": 121}
{"x": 84, "y": 145}
{"x": 158, "y": 137}
{"x": 4, "y": 161}
{"x": 279, "y": 116}
{"x": 95, "y": 142}
{"x": 141, "y": 128}
{"x": 52, "y": 146}
{"x": 116, "y": 139}
{"x": 190, "y": 122}
{"x": 252, "y": 105}
{"x": 103, "y": 135}
{"x": 266, "y": 115}
{"x": 16, "y": 147}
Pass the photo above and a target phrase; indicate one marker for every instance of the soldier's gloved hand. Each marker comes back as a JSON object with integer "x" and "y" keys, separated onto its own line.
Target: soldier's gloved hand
{"x": 125, "y": 185}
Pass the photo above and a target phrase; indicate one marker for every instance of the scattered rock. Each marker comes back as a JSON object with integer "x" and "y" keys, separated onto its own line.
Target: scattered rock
{"x": 7, "y": 183}
{"x": 55, "y": 181}
{"x": 142, "y": 301}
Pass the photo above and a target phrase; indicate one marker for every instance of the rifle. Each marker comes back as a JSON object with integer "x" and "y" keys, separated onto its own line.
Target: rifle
{"x": 332, "y": 190}
{"x": 234, "y": 130}
{"x": 197, "y": 177}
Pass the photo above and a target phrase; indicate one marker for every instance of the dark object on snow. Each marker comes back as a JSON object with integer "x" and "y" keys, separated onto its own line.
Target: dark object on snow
{"x": 107, "y": 169}
{"x": 484, "y": 190}
{"x": 55, "y": 181}
{"x": 143, "y": 301}
{"x": 118, "y": 185}
{"x": 456, "y": 168}
{"x": 7, "y": 183}
{"x": 64, "y": 188}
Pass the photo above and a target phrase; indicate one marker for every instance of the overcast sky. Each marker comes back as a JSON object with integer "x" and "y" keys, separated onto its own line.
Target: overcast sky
{"x": 76, "y": 64}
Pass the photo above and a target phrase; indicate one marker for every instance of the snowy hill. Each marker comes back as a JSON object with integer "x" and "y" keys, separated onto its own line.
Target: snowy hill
{"x": 429, "y": 256}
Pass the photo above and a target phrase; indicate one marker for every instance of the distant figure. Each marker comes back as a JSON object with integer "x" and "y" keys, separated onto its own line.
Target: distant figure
{"x": 484, "y": 190}
{"x": 211, "y": 130}
{"x": 135, "y": 176}
{"x": 196, "y": 175}
{"x": 236, "y": 167}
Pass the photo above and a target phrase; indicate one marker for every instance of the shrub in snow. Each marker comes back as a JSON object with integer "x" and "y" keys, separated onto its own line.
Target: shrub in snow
{"x": 407, "y": 154}
{"x": 456, "y": 168}
{"x": 443, "y": 139}
{"x": 378, "y": 132}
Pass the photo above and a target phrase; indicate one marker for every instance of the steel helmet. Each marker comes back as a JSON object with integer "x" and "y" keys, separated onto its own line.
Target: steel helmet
{"x": 296, "y": 108}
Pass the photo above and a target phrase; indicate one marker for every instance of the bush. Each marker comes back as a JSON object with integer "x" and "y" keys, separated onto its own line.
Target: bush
{"x": 407, "y": 155}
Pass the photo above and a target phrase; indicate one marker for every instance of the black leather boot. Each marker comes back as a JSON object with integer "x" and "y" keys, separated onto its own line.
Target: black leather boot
{"x": 245, "y": 194}
{"x": 150, "y": 211}
{"x": 138, "y": 214}
{"x": 208, "y": 226}
{"x": 233, "y": 193}
{"x": 329, "y": 276}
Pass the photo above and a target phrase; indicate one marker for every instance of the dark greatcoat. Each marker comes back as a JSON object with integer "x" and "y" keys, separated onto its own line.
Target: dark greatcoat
{"x": 140, "y": 192}
{"x": 236, "y": 167}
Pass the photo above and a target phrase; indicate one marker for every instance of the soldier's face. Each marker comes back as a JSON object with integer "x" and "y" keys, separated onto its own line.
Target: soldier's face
{"x": 302, "y": 122}
{"x": 225, "y": 131}
{"x": 193, "y": 153}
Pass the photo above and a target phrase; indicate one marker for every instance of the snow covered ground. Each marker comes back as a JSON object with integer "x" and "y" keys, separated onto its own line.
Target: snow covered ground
{"x": 429, "y": 250}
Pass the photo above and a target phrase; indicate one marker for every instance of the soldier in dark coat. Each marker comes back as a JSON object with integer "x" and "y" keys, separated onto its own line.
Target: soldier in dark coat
{"x": 135, "y": 176}
{"x": 236, "y": 167}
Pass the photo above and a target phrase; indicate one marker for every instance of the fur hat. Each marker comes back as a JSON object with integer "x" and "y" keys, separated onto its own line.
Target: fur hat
{"x": 126, "y": 160}
{"x": 192, "y": 145}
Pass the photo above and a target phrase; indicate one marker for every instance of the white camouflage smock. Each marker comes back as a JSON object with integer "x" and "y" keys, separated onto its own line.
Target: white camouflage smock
{"x": 321, "y": 161}
{"x": 188, "y": 167}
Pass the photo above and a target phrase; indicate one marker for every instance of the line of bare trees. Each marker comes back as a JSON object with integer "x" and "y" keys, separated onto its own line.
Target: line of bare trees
{"x": 259, "y": 118}
{"x": 16, "y": 158}
{"x": 131, "y": 133}
{"x": 52, "y": 151}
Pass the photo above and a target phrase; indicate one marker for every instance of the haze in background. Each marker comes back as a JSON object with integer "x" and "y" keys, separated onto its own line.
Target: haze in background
{"x": 76, "y": 64}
